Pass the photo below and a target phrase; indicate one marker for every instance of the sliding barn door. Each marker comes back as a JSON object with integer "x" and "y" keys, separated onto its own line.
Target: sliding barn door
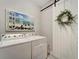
{"x": 65, "y": 40}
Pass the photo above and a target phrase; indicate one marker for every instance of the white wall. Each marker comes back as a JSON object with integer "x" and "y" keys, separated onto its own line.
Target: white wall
{"x": 46, "y": 26}
{"x": 25, "y": 6}
{"x": 65, "y": 40}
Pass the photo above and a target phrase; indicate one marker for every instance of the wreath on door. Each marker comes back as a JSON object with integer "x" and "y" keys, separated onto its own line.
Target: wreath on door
{"x": 65, "y": 18}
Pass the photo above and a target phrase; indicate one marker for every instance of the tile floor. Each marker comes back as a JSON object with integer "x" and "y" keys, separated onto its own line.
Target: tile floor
{"x": 52, "y": 57}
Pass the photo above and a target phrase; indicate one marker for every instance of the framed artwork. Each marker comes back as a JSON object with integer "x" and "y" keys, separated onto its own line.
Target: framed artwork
{"x": 17, "y": 21}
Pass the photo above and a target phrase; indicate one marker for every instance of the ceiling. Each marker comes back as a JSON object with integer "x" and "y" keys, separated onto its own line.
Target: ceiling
{"x": 41, "y": 3}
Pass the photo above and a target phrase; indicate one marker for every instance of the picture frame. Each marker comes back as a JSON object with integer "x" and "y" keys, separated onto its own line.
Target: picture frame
{"x": 18, "y": 21}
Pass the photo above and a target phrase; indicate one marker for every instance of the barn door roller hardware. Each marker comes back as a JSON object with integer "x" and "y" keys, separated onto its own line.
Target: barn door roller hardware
{"x": 54, "y": 3}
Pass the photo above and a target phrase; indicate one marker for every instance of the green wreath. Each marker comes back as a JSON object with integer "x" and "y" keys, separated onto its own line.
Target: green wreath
{"x": 69, "y": 18}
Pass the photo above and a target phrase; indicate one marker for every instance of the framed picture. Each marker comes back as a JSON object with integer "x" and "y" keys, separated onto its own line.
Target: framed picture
{"x": 17, "y": 21}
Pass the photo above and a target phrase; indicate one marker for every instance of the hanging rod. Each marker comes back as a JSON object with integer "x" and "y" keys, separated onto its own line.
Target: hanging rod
{"x": 54, "y": 3}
